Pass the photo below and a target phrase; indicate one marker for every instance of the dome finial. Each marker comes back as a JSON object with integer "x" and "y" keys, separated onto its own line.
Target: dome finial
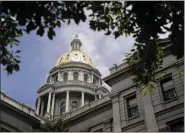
{"x": 76, "y": 43}
{"x": 76, "y": 36}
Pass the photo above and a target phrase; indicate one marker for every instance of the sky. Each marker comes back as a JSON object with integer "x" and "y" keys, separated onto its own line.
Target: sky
{"x": 39, "y": 55}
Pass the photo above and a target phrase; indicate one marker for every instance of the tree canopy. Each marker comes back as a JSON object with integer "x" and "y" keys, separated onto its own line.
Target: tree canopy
{"x": 143, "y": 20}
{"x": 51, "y": 126}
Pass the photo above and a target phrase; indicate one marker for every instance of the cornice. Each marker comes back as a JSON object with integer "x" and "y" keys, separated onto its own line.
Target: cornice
{"x": 164, "y": 111}
{"x": 74, "y": 83}
{"x": 31, "y": 117}
{"x": 46, "y": 86}
{"x": 132, "y": 125}
{"x": 118, "y": 76}
{"x": 75, "y": 65}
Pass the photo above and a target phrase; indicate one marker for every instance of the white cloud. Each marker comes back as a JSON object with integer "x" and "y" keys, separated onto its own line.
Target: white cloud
{"x": 103, "y": 50}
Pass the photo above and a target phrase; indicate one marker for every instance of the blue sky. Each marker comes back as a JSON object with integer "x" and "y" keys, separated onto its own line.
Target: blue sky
{"x": 39, "y": 55}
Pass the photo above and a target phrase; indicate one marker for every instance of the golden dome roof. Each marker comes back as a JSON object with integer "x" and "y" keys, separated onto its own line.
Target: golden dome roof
{"x": 75, "y": 55}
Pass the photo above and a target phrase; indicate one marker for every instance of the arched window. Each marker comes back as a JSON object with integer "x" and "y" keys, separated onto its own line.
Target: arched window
{"x": 75, "y": 76}
{"x": 85, "y": 77}
{"x": 55, "y": 78}
{"x": 65, "y": 76}
{"x": 74, "y": 105}
{"x": 94, "y": 80}
{"x": 62, "y": 107}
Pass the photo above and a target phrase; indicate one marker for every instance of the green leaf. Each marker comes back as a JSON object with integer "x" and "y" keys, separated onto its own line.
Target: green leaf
{"x": 16, "y": 67}
{"x": 30, "y": 27}
{"x": 117, "y": 34}
{"x": 77, "y": 20}
{"x": 58, "y": 24}
{"x": 144, "y": 92}
{"x": 132, "y": 50}
{"x": 9, "y": 69}
{"x": 18, "y": 51}
{"x": 22, "y": 21}
{"x": 51, "y": 33}
{"x": 108, "y": 32}
{"x": 40, "y": 31}
{"x": 181, "y": 72}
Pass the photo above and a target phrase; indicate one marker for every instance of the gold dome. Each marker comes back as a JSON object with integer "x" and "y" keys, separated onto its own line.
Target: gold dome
{"x": 74, "y": 56}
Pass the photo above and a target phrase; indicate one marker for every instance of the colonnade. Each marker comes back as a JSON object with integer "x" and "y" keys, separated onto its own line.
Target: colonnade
{"x": 51, "y": 103}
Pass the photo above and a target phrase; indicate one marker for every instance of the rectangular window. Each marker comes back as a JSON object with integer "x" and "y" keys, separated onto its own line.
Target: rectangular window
{"x": 168, "y": 88}
{"x": 132, "y": 106}
{"x": 177, "y": 126}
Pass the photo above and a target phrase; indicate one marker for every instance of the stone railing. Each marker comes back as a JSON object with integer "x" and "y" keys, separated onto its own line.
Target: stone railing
{"x": 75, "y": 82}
{"x": 85, "y": 107}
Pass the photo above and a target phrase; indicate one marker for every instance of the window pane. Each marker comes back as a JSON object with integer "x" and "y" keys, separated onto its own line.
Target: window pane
{"x": 65, "y": 76}
{"x": 94, "y": 80}
{"x": 132, "y": 101}
{"x": 134, "y": 111}
{"x": 75, "y": 75}
{"x": 132, "y": 106}
{"x": 62, "y": 107}
{"x": 177, "y": 127}
{"x": 74, "y": 105}
{"x": 85, "y": 77}
{"x": 167, "y": 84}
{"x": 169, "y": 94}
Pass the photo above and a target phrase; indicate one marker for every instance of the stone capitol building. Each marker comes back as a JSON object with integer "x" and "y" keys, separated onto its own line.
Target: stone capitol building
{"x": 76, "y": 93}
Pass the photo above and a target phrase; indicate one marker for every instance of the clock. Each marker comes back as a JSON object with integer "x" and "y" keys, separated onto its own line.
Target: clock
{"x": 75, "y": 57}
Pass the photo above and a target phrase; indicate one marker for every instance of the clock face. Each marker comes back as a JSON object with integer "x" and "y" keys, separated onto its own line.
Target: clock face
{"x": 75, "y": 57}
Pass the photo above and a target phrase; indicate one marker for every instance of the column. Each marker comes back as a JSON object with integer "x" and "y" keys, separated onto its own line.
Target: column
{"x": 67, "y": 101}
{"x": 81, "y": 76}
{"x": 70, "y": 75}
{"x": 92, "y": 78}
{"x": 53, "y": 104}
{"x": 50, "y": 79}
{"x": 151, "y": 123}
{"x": 49, "y": 102}
{"x": 42, "y": 108}
{"x": 82, "y": 104}
{"x": 38, "y": 105}
{"x": 116, "y": 114}
{"x": 59, "y": 76}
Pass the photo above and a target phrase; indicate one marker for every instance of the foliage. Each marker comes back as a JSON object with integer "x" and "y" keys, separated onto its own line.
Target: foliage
{"x": 18, "y": 18}
{"x": 143, "y": 20}
{"x": 50, "y": 126}
{"x": 181, "y": 72}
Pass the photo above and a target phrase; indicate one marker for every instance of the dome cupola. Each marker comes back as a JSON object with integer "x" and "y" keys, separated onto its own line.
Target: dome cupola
{"x": 76, "y": 43}
{"x": 75, "y": 54}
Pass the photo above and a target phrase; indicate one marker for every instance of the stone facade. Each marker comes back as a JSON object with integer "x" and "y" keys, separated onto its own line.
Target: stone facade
{"x": 163, "y": 110}
{"x": 72, "y": 83}
{"x": 17, "y": 117}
